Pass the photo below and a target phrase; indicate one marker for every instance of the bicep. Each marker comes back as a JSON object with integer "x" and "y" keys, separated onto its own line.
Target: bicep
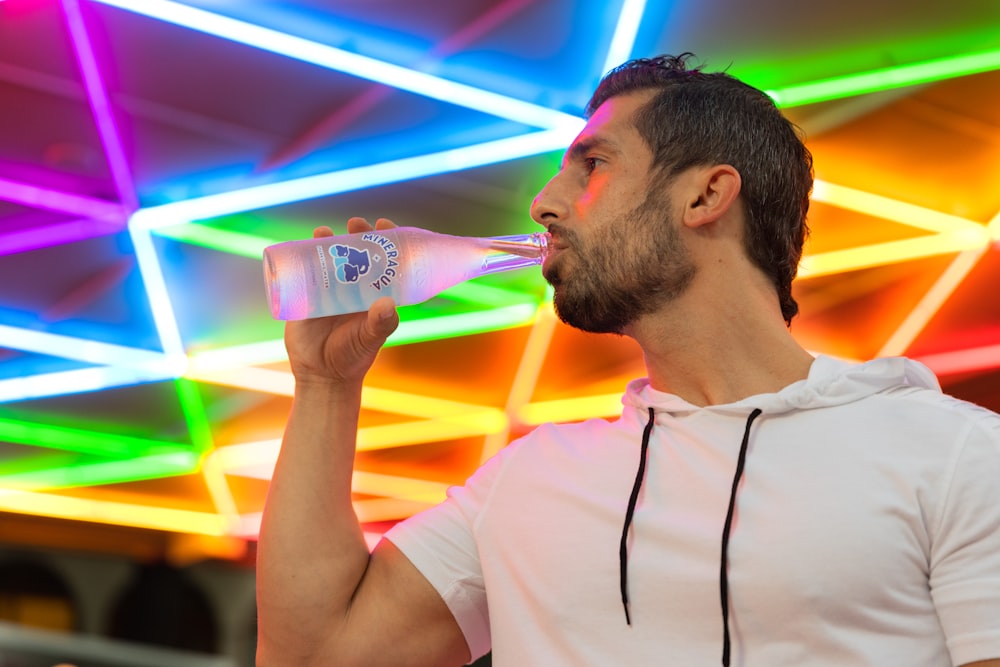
{"x": 398, "y": 618}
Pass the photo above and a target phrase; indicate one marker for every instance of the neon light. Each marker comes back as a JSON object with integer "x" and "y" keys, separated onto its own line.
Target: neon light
{"x": 931, "y": 303}
{"x": 462, "y": 324}
{"x": 56, "y": 234}
{"x": 963, "y": 361}
{"x": 257, "y": 459}
{"x": 623, "y": 41}
{"x": 78, "y": 349}
{"x": 82, "y": 380}
{"x": 337, "y": 182}
{"x": 952, "y": 233}
{"x": 250, "y": 354}
{"x": 483, "y": 295}
{"x": 58, "y": 201}
{"x": 191, "y": 404}
{"x": 204, "y": 365}
{"x": 360, "y": 105}
{"x": 79, "y": 440}
{"x": 156, "y": 291}
{"x": 405, "y": 434}
{"x": 570, "y": 409}
{"x": 218, "y": 488}
{"x": 890, "y": 252}
{"x": 886, "y": 78}
{"x": 121, "y": 514}
{"x": 419, "y": 405}
{"x": 264, "y": 380}
{"x": 395, "y": 486}
{"x": 354, "y": 64}
{"x": 526, "y": 377}
{"x": 533, "y": 356}
{"x": 234, "y": 243}
{"x": 104, "y": 472}
{"x": 100, "y": 106}
{"x": 248, "y": 459}
{"x": 898, "y": 211}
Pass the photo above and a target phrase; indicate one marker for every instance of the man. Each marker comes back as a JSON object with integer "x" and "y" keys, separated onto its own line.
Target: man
{"x": 753, "y": 504}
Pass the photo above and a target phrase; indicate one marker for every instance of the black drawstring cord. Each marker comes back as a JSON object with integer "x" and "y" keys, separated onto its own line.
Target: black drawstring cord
{"x": 636, "y": 486}
{"x": 723, "y": 577}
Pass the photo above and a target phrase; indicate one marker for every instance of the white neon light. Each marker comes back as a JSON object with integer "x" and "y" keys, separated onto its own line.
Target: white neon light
{"x": 239, "y": 356}
{"x": 336, "y": 182}
{"x": 340, "y": 60}
{"x": 264, "y": 380}
{"x": 623, "y": 41}
{"x": 82, "y": 380}
{"x": 156, "y": 290}
{"x": 71, "y": 347}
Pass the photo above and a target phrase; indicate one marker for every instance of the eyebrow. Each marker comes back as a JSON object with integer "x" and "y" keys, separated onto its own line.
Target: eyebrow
{"x": 581, "y": 147}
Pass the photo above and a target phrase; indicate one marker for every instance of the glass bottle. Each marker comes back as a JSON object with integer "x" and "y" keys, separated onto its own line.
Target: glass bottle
{"x": 334, "y": 275}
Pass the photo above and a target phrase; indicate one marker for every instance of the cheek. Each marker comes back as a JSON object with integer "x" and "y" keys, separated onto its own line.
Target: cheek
{"x": 591, "y": 195}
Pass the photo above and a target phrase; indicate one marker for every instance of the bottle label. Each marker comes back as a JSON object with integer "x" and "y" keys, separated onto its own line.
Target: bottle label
{"x": 385, "y": 257}
{"x": 370, "y": 261}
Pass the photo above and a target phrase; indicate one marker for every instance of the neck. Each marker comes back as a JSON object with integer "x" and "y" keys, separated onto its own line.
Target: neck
{"x": 710, "y": 350}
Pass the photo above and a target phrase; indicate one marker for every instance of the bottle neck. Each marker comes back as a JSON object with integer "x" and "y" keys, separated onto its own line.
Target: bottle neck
{"x": 514, "y": 252}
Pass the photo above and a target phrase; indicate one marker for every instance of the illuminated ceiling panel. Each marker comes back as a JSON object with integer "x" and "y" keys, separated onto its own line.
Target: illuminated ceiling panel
{"x": 153, "y": 148}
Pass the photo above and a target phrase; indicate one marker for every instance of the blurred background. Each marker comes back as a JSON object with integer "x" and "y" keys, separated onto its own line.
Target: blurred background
{"x": 150, "y": 150}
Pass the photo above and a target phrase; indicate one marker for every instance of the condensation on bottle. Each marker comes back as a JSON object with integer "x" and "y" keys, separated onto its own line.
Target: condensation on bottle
{"x": 335, "y": 275}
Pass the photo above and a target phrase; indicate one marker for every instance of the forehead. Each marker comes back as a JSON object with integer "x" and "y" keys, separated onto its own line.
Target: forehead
{"x": 612, "y": 125}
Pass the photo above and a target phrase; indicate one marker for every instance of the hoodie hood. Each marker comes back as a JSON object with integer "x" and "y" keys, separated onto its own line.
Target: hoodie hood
{"x": 830, "y": 382}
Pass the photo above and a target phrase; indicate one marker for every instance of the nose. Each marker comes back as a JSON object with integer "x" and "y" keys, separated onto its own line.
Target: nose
{"x": 548, "y": 206}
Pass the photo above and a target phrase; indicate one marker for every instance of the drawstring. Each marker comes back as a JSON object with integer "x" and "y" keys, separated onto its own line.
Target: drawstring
{"x": 723, "y": 577}
{"x": 636, "y": 486}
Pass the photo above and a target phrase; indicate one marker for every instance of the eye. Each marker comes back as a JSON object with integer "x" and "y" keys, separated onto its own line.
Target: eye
{"x": 592, "y": 163}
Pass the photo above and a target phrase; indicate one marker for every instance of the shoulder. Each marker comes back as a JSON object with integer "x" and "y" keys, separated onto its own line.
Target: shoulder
{"x": 588, "y": 437}
{"x": 921, "y": 406}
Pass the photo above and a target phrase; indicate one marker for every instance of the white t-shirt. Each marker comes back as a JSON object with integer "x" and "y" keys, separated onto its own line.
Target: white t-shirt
{"x": 867, "y": 531}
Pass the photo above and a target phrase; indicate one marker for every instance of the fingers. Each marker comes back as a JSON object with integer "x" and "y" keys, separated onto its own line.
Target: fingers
{"x": 355, "y": 225}
{"x": 382, "y": 319}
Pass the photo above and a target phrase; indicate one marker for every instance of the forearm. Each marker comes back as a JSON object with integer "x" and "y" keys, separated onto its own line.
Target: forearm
{"x": 312, "y": 553}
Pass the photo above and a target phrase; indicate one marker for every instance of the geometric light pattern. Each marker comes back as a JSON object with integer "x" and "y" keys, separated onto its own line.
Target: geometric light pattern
{"x": 50, "y": 360}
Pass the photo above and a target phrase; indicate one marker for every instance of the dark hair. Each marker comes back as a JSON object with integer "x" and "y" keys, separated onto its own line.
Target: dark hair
{"x": 705, "y": 118}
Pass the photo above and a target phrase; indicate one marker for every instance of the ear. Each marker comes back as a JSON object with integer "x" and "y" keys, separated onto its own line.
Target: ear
{"x": 712, "y": 191}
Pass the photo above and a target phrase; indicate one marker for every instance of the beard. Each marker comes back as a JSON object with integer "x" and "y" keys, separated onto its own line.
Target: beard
{"x": 622, "y": 272}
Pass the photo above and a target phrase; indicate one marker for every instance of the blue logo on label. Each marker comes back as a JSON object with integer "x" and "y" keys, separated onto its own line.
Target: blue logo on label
{"x": 350, "y": 263}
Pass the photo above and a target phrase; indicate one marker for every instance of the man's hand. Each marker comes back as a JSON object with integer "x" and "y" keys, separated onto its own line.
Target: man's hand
{"x": 340, "y": 349}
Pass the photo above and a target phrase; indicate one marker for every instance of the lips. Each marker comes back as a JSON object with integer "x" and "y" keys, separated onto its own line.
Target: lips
{"x": 550, "y": 270}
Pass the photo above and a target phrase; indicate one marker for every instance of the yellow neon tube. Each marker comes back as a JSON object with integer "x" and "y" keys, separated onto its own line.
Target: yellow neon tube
{"x": 890, "y": 252}
{"x": 120, "y": 514}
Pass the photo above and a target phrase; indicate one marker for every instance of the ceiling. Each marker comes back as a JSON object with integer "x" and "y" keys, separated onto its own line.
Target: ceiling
{"x": 151, "y": 149}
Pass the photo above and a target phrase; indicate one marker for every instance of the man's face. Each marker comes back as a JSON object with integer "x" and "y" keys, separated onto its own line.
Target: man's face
{"x": 615, "y": 254}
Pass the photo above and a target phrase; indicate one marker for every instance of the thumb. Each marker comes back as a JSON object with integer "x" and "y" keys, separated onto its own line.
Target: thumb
{"x": 382, "y": 320}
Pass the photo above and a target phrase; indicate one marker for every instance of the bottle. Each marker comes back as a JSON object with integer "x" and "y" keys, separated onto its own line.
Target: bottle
{"x": 334, "y": 275}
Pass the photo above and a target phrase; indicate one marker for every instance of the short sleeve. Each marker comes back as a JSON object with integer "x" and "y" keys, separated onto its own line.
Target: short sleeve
{"x": 441, "y": 543}
{"x": 965, "y": 552}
